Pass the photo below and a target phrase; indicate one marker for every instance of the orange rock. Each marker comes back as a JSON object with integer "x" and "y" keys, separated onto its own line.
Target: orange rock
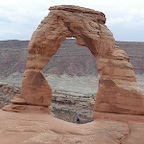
{"x": 35, "y": 89}
{"x": 117, "y": 91}
{"x": 41, "y": 128}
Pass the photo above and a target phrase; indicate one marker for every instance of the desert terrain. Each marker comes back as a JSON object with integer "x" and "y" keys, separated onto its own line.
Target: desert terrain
{"x": 72, "y": 74}
{"x": 82, "y": 107}
{"x": 67, "y": 101}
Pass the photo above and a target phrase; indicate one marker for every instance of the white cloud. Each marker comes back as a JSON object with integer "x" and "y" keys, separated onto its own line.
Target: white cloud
{"x": 19, "y": 18}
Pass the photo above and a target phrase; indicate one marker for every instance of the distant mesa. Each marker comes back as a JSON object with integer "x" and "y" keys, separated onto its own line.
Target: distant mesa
{"x": 71, "y": 59}
{"x": 14, "y": 44}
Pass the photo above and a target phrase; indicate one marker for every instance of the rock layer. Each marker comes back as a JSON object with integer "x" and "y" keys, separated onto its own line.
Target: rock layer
{"x": 32, "y": 128}
{"x": 117, "y": 91}
{"x": 35, "y": 89}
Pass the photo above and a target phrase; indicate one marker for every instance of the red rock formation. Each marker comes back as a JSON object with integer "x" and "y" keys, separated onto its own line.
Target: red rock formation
{"x": 32, "y": 128}
{"x": 117, "y": 92}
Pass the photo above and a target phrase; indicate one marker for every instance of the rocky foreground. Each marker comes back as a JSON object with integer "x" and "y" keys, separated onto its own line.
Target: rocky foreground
{"x": 44, "y": 128}
{"x": 118, "y": 111}
{"x": 67, "y": 106}
{"x": 35, "y": 128}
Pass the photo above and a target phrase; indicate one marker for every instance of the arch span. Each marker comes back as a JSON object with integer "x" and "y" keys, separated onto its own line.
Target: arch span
{"x": 117, "y": 90}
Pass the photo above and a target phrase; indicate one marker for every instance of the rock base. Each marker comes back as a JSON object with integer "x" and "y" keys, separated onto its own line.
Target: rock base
{"x": 26, "y": 108}
{"x": 118, "y": 117}
{"x": 38, "y": 128}
{"x": 19, "y": 105}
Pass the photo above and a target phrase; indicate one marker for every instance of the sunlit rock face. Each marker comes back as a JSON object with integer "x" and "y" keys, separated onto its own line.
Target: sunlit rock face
{"x": 117, "y": 90}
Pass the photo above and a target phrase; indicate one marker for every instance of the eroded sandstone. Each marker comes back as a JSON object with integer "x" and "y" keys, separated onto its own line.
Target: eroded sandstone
{"x": 32, "y": 128}
{"x": 117, "y": 91}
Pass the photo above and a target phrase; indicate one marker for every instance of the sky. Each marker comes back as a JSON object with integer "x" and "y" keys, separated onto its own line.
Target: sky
{"x": 19, "y": 18}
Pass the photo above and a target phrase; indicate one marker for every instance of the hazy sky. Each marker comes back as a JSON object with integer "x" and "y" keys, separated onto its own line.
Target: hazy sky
{"x": 19, "y": 18}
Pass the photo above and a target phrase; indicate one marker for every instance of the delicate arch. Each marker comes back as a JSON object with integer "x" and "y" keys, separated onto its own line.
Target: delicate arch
{"x": 117, "y": 90}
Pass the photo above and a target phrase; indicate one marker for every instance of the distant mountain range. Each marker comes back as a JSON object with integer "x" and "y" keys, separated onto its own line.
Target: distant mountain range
{"x": 71, "y": 58}
{"x": 14, "y": 44}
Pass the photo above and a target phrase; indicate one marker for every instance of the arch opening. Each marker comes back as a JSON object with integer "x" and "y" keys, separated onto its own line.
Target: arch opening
{"x": 73, "y": 77}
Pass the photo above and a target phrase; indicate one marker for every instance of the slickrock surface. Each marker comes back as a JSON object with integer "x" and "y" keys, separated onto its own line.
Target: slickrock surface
{"x": 35, "y": 128}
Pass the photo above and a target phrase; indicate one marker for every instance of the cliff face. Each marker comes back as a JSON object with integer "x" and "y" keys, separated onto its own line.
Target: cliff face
{"x": 135, "y": 50}
{"x": 13, "y": 44}
{"x": 70, "y": 58}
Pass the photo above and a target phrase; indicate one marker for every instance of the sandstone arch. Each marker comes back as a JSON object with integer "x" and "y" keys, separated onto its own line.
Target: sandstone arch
{"x": 117, "y": 90}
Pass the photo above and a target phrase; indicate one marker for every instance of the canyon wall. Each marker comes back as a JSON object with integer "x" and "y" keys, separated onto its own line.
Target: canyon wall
{"x": 71, "y": 59}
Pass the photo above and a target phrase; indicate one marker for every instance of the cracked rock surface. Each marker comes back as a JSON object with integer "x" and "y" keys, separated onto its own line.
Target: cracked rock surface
{"x": 36, "y": 128}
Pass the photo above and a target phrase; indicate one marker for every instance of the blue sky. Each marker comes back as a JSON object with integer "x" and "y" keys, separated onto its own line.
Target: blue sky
{"x": 19, "y": 18}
